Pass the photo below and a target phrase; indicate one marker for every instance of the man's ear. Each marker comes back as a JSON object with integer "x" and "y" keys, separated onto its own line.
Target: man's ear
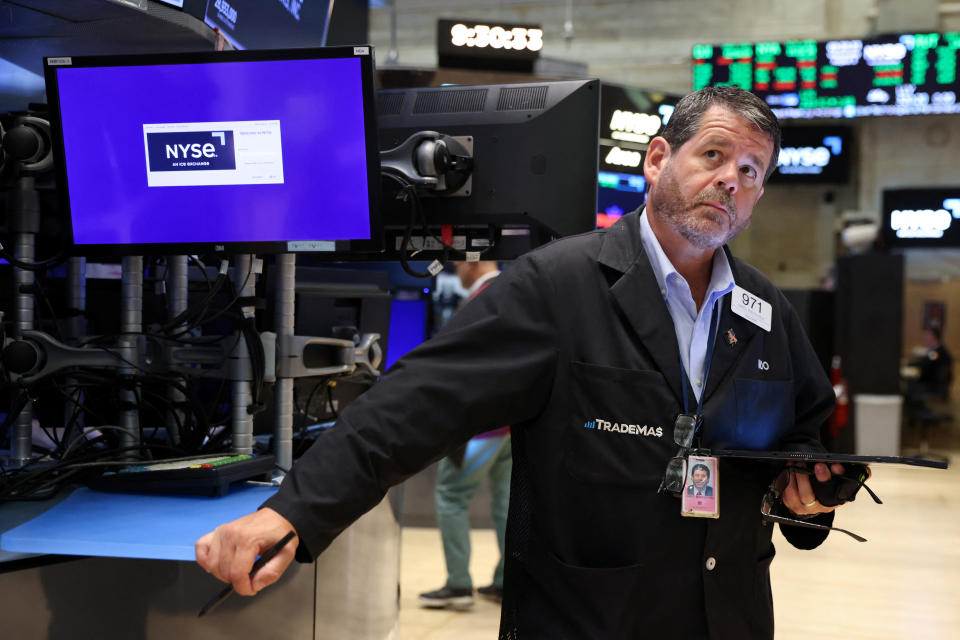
{"x": 658, "y": 153}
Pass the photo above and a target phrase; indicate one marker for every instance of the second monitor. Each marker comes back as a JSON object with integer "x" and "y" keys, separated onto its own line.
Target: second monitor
{"x": 521, "y": 167}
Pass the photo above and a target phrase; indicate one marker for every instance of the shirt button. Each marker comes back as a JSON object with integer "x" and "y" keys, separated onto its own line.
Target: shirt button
{"x": 663, "y": 292}
{"x": 711, "y": 563}
{"x": 698, "y": 382}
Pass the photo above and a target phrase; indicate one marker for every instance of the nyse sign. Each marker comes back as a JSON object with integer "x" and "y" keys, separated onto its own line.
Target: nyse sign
{"x": 922, "y": 217}
{"x": 629, "y": 119}
{"x": 634, "y": 127}
{"x": 925, "y": 223}
{"x": 809, "y": 159}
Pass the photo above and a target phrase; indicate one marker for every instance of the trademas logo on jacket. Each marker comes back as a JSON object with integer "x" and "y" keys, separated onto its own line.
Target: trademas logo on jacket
{"x": 622, "y": 427}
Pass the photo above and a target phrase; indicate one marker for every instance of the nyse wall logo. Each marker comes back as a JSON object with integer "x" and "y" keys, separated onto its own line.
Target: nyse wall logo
{"x": 925, "y": 223}
{"x": 191, "y": 151}
{"x": 809, "y": 160}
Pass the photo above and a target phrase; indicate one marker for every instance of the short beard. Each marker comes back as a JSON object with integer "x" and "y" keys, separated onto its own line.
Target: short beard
{"x": 670, "y": 206}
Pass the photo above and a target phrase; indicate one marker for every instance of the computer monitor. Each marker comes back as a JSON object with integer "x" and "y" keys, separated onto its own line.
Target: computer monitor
{"x": 228, "y": 152}
{"x": 532, "y": 172}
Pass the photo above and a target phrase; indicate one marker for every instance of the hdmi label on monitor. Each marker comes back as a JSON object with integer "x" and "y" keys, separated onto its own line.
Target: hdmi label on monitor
{"x": 185, "y": 154}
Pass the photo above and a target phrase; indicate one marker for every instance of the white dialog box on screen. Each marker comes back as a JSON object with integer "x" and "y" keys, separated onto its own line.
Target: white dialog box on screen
{"x": 191, "y": 154}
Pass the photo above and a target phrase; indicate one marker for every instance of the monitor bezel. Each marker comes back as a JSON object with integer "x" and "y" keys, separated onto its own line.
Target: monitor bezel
{"x": 322, "y": 249}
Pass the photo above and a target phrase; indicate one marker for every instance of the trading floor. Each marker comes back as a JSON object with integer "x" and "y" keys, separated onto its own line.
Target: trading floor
{"x": 904, "y": 583}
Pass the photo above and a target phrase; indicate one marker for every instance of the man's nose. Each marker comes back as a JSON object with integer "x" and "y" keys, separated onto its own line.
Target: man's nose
{"x": 728, "y": 178}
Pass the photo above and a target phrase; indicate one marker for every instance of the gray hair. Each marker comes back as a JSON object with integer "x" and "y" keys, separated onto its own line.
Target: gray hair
{"x": 685, "y": 121}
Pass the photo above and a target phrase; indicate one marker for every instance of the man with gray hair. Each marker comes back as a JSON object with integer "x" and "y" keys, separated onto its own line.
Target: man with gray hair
{"x": 619, "y": 354}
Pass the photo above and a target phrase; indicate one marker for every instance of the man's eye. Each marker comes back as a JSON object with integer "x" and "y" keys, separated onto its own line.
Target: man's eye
{"x": 749, "y": 171}
{"x": 712, "y": 153}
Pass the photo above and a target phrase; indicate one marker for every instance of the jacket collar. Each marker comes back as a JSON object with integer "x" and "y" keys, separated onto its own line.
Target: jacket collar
{"x": 641, "y": 306}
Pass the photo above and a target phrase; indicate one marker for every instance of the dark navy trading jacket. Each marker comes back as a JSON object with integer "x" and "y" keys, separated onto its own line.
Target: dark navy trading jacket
{"x": 576, "y": 333}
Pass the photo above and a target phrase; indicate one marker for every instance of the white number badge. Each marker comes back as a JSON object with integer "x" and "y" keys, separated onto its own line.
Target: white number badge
{"x": 756, "y": 310}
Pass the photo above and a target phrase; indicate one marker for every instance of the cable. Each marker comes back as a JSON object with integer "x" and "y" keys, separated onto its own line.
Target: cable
{"x": 186, "y": 316}
{"x": 408, "y": 192}
{"x": 42, "y": 265}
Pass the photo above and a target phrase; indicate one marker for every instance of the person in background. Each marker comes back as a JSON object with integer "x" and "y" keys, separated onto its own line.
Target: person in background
{"x": 459, "y": 475}
{"x": 936, "y": 366}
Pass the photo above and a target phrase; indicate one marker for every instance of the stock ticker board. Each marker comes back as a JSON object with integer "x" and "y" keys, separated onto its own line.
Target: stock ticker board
{"x": 895, "y": 75}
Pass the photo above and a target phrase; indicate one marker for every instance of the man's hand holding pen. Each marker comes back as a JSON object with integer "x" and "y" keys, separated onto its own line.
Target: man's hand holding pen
{"x": 229, "y": 551}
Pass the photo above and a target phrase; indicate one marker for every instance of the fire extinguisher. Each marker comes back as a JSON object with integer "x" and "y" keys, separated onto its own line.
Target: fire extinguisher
{"x": 841, "y": 411}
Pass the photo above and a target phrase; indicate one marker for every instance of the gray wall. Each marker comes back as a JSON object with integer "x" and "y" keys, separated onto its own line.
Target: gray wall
{"x": 647, "y": 43}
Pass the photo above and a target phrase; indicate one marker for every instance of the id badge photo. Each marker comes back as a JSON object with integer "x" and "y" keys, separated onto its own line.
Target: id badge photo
{"x": 701, "y": 490}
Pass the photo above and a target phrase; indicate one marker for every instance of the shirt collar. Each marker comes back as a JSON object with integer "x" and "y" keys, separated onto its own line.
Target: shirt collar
{"x": 721, "y": 276}
{"x": 482, "y": 280}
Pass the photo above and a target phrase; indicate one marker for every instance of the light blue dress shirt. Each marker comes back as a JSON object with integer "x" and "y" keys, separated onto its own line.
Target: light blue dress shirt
{"x": 692, "y": 328}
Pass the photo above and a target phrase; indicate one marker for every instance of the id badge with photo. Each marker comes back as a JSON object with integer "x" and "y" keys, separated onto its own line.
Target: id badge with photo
{"x": 700, "y": 497}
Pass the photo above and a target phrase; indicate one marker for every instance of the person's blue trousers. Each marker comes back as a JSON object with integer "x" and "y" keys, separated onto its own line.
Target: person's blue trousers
{"x": 485, "y": 458}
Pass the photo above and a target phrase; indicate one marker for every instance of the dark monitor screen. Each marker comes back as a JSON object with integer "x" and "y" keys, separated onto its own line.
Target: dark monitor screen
{"x": 534, "y": 163}
{"x": 242, "y": 151}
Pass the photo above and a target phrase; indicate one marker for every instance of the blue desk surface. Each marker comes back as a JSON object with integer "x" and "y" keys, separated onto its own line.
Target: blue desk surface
{"x": 162, "y": 527}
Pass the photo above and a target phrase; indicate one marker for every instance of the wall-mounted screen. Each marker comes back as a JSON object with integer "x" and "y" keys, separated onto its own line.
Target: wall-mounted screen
{"x": 264, "y": 24}
{"x": 231, "y": 151}
{"x": 479, "y": 44}
{"x": 921, "y": 217}
{"x": 629, "y": 118}
{"x": 617, "y": 194}
{"x": 814, "y": 155}
{"x": 891, "y": 75}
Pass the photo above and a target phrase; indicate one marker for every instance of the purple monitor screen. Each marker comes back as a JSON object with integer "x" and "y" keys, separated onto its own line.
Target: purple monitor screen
{"x": 234, "y": 151}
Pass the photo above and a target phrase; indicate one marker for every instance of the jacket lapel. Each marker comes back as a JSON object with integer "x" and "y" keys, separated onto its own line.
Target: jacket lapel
{"x": 741, "y": 330}
{"x": 725, "y": 354}
{"x": 638, "y": 297}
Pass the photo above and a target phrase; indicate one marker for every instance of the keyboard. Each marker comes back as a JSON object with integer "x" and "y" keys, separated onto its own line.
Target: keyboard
{"x": 209, "y": 475}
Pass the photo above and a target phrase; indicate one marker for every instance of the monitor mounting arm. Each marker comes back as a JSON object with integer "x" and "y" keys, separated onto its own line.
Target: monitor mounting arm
{"x": 433, "y": 162}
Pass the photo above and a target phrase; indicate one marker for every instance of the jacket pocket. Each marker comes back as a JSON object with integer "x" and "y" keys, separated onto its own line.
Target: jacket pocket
{"x": 764, "y": 412}
{"x": 619, "y": 426}
{"x": 589, "y": 603}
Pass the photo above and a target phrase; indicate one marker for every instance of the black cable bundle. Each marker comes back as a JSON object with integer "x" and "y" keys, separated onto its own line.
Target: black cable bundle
{"x": 408, "y": 193}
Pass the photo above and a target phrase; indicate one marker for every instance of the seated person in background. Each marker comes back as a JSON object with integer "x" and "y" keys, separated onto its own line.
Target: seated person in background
{"x": 936, "y": 366}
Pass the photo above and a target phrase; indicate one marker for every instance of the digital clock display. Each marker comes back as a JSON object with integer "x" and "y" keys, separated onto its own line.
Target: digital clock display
{"x": 901, "y": 74}
{"x": 472, "y": 43}
{"x": 497, "y": 37}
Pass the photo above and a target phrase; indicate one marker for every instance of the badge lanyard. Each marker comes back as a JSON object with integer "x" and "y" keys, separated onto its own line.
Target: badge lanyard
{"x": 711, "y": 343}
{"x": 706, "y": 504}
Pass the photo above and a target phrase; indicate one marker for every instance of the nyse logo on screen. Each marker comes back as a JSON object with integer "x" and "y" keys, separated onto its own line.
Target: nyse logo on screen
{"x": 809, "y": 159}
{"x": 191, "y": 151}
{"x": 925, "y": 223}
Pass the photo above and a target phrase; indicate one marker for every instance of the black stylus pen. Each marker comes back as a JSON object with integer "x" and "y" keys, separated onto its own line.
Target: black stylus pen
{"x": 262, "y": 560}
